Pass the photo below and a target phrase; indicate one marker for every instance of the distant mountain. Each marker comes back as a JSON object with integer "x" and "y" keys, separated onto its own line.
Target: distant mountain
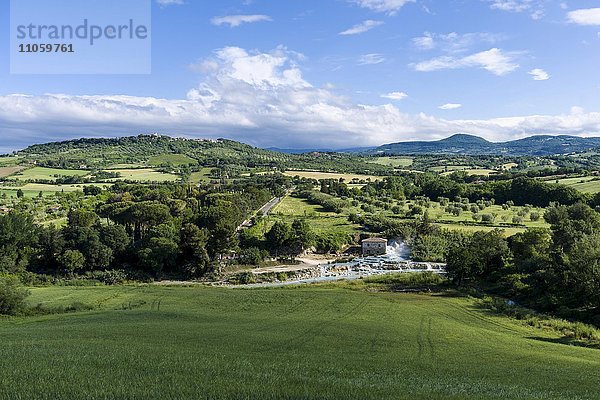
{"x": 474, "y": 145}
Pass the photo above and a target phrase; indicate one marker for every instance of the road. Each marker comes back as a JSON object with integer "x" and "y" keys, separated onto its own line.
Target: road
{"x": 264, "y": 210}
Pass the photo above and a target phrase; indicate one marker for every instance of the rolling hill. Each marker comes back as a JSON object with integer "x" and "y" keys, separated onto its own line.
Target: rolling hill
{"x": 473, "y": 145}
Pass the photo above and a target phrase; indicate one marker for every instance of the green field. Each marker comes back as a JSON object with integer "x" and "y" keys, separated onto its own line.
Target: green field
{"x": 331, "y": 175}
{"x": 202, "y": 176}
{"x": 38, "y": 173}
{"x": 395, "y": 162}
{"x": 588, "y": 184}
{"x": 33, "y": 189}
{"x": 144, "y": 175}
{"x": 172, "y": 159}
{"x": 9, "y": 161}
{"x": 295, "y": 343}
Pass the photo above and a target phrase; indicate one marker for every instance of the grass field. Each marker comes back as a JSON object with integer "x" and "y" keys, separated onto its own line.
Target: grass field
{"x": 172, "y": 159}
{"x": 294, "y": 343}
{"x": 331, "y": 175}
{"x": 468, "y": 170}
{"x": 50, "y": 174}
{"x": 8, "y": 161}
{"x": 585, "y": 184}
{"x": 202, "y": 176}
{"x": 144, "y": 175}
{"x": 33, "y": 189}
{"x": 395, "y": 162}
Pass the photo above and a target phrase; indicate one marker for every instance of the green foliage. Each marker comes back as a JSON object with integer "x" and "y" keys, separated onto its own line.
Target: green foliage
{"x": 12, "y": 296}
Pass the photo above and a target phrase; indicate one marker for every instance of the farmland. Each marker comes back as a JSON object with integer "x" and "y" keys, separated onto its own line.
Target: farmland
{"x": 305, "y": 342}
{"x": 144, "y": 175}
{"x": 50, "y": 174}
{"x": 394, "y": 162}
{"x": 590, "y": 184}
{"x": 7, "y": 171}
{"x": 331, "y": 175}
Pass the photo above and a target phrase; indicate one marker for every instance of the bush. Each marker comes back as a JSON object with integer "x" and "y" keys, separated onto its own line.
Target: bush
{"x": 12, "y": 296}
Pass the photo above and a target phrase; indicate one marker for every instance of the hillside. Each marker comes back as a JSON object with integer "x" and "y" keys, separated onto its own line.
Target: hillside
{"x": 164, "y": 151}
{"x": 473, "y": 145}
{"x": 302, "y": 343}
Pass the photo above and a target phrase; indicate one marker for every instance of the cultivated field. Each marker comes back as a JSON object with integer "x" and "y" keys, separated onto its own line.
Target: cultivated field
{"x": 144, "y": 175}
{"x": 33, "y": 189}
{"x": 331, "y": 175}
{"x": 172, "y": 159}
{"x": 589, "y": 184}
{"x": 38, "y": 173}
{"x": 396, "y": 162}
{"x": 296, "y": 343}
{"x": 7, "y": 171}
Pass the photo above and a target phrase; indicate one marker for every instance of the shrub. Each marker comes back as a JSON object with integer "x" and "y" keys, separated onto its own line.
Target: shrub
{"x": 12, "y": 296}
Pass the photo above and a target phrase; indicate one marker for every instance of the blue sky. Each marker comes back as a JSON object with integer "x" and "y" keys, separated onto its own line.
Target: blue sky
{"x": 331, "y": 73}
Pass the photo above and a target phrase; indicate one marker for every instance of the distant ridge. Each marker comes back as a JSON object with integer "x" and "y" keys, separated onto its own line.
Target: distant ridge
{"x": 542, "y": 145}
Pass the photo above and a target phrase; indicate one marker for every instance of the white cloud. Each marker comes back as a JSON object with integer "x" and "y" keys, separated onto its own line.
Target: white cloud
{"x": 362, "y": 27}
{"x": 454, "y": 42}
{"x": 390, "y": 7}
{"x": 450, "y": 106}
{"x": 539, "y": 74}
{"x": 169, "y": 2}
{"x": 534, "y": 7}
{"x": 261, "y": 99}
{"x": 493, "y": 60}
{"x": 371, "y": 59}
{"x": 589, "y": 16}
{"x": 395, "y": 96}
{"x": 237, "y": 20}
{"x": 511, "y": 5}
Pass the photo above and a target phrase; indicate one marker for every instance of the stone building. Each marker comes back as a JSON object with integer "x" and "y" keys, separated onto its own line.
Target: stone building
{"x": 374, "y": 247}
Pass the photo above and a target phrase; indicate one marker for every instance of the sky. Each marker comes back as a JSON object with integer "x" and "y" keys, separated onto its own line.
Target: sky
{"x": 330, "y": 74}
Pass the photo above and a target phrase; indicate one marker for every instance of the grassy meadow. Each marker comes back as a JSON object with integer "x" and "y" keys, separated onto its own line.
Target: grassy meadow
{"x": 331, "y": 175}
{"x": 589, "y": 184}
{"x": 395, "y": 162}
{"x": 172, "y": 159}
{"x": 39, "y": 173}
{"x": 310, "y": 342}
{"x": 144, "y": 175}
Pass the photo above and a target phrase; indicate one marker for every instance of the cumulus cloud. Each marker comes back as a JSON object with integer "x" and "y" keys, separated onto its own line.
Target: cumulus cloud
{"x": 450, "y": 106}
{"x": 261, "y": 99}
{"x": 539, "y": 74}
{"x": 237, "y": 20}
{"x": 587, "y": 17}
{"x": 390, "y": 7}
{"x": 395, "y": 96}
{"x": 363, "y": 27}
{"x": 494, "y": 60}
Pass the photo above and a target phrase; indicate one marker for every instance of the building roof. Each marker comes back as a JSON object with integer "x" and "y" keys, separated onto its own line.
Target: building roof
{"x": 375, "y": 240}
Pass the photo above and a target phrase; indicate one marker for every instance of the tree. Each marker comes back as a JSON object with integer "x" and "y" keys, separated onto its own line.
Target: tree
{"x": 583, "y": 271}
{"x": 302, "y": 235}
{"x": 18, "y": 237}
{"x": 71, "y": 261}
{"x": 278, "y": 236}
{"x": 194, "y": 257}
{"x": 159, "y": 255}
{"x": 484, "y": 255}
{"x": 20, "y": 194}
{"x": 12, "y": 296}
